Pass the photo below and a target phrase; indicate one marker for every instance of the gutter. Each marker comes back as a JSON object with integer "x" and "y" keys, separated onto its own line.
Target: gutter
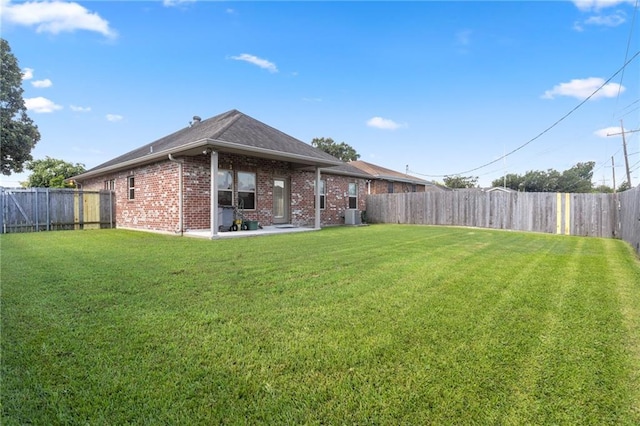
{"x": 180, "y": 190}
{"x": 140, "y": 160}
{"x": 214, "y": 145}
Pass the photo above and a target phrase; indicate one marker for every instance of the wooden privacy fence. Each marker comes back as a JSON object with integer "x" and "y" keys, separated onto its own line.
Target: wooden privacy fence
{"x": 51, "y": 209}
{"x": 629, "y": 219}
{"x": 598, "y": 215}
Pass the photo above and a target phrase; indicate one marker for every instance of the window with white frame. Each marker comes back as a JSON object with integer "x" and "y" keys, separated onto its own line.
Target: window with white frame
{"x": 247, "y": 190}
{"x": 110, "y": 185}
{"x": 131, "y": 185}
{"x": 225, "y": 188}
{"x": 322, "y": 194}
{"x": 353, "y": 195}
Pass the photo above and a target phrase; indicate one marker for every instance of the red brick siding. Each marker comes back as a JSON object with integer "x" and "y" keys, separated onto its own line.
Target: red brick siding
{"x": 379, "y": 186}
{"x": 156, "y": 203}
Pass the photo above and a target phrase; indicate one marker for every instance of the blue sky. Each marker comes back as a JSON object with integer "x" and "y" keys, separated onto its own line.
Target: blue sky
{"x": 441, "y": 87}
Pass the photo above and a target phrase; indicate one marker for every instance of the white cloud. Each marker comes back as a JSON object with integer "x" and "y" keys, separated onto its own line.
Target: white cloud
{"x": 173, "y": 3}
{"x": 41, "y": 105}
{"x": 613, "y": 20}
{"x": 75, "y": 108}
{"x": 27, "y": 74}
{"x": 586, "y": 5}
{"x": 384, "y": 123}
{"x": 41, "y": 84}
{"x": 55, "y": 17}
{"x": 604, "y": 133}
{"x": 583, "y": 88}
{"x": 262, "y": 63}
{"x": 114, "y": 117}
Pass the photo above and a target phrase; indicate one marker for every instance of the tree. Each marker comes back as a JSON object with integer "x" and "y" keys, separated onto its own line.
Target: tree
{"x": 603, "y": 189}
{"x": 461, "y": 181}
{"x": 343, "y": 151}
{"x": 624, "y": 186}
{"x": 51, "y": 173}
{"x": 575, "y": 179}
{"x": 18, "y": 133}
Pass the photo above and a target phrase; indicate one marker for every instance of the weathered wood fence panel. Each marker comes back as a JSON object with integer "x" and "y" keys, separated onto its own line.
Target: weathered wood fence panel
{"x": 51, "y": 209}
{"x": 597, "y": 215}
{"x": 630, "y": 217}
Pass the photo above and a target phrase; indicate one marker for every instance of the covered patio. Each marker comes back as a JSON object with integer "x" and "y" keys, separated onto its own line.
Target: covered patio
{"x": 265, "y": 230}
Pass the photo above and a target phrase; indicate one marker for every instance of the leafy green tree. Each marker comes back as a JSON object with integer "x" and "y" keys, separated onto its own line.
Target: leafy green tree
{"x": 459, "y": 182}
{"x": 576, "y": 179}
{"x": 624, "y": 186}
{"x": 512, "y": 181}
{"x": 602, "y": 189}
{"x": 343, "y": 151}
{"x": 51, "y": 173}
{"x": 18, "y": 133}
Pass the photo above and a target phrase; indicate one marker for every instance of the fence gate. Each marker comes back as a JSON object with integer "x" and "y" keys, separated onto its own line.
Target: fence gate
{"x": 51, "y": 209}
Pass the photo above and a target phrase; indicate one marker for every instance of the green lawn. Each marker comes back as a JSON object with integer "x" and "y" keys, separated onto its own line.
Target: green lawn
{"x": 384, "y": 324}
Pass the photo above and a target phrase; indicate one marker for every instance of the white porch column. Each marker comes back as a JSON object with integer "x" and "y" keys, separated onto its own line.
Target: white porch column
{"x": 317, "y": 222}
{"x": 214, "y": 195}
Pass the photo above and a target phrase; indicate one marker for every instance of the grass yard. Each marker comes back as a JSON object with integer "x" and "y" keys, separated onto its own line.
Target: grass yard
{"x": 387, "y": 324}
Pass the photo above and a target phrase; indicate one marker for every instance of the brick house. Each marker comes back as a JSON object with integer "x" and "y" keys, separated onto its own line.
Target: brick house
{"x": 387, "y": 181}
{"x": 166, "y": 185}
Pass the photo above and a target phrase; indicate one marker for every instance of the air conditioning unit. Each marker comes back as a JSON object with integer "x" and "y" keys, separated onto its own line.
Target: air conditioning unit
{"x": 352, "y": 217}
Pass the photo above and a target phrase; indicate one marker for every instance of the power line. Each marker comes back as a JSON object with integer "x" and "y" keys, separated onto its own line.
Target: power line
{"x": 544, "y": 131}
{"x": 626, "y": 53}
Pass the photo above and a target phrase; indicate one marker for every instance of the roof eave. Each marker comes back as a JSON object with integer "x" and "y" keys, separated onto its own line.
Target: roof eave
{"x": 213, "y": 144}
{"x": 269, "y": 153}
{"x": 329, "y": 171}
{"x": 400, "y": 179}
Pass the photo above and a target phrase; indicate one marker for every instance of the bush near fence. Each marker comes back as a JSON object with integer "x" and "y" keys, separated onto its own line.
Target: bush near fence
{"x": 51, "y": 209}
{"x": 596, "y": 215}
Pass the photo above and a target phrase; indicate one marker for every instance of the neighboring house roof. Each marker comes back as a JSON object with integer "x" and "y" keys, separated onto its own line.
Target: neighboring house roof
{"x": 478, "y": 189}
{"x": 232, "y": 132}
{"x": 347, "y": 169}
{"x": 387, "y": 174}
{"x": 499, "y": 189}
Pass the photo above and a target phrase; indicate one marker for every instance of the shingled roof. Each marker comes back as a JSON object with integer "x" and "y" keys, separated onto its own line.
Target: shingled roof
{"x": 387, "y": 174}
{"x": 231, "y": 131}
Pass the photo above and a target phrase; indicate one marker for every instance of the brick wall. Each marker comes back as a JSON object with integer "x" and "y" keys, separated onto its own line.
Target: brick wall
{"x": 379, "y": 186}
{"x": 156, "y": 202}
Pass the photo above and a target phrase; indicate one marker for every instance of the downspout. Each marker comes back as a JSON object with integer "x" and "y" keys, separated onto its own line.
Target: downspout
{"x": 180, "y": 191}
{"x": 214, "y": 195}
{"x": 317, "y": 221}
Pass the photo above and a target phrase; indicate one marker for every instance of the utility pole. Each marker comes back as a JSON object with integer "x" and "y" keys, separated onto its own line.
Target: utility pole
{"x": 624, "y": 149}
{"x": 626, "y": 157}
{"x": 613, "y": 169}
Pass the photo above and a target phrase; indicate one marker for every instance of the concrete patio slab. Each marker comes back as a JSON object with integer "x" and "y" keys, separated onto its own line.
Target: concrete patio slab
{"x": 266, "y": 230}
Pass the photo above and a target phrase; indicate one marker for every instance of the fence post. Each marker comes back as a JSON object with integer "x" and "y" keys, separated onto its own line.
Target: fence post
{"x": 110, "y": 209}
{"x": 2, "y": 212}
{"x": 48, "y": 210}
{"x": 81, "y": 208}
{"x": 37, "y": 211}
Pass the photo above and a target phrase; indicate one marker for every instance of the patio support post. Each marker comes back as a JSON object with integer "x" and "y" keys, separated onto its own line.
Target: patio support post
{"x": 214, "y": 194}
{"x": 317, "y": 221}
